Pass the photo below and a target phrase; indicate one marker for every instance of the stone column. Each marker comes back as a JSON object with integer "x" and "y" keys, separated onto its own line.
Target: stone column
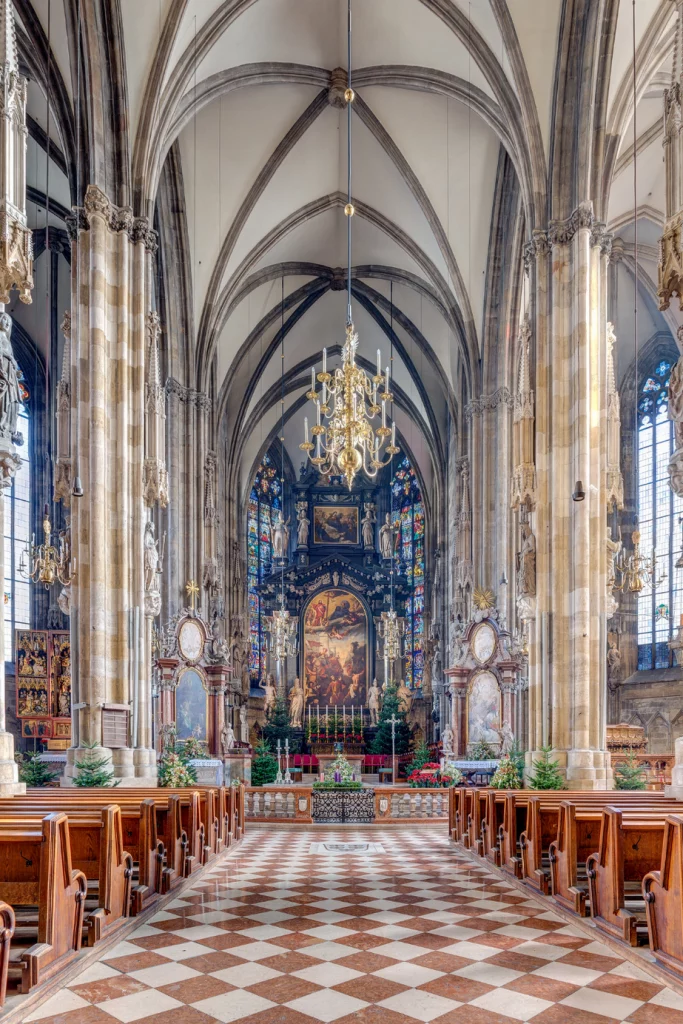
{"x": 566, "y": 699}
{"x": 9, "y": 778}
{"x": 110, "y": 300}
{"x": 458, "y": 690}
{"x": 217, "y": 676}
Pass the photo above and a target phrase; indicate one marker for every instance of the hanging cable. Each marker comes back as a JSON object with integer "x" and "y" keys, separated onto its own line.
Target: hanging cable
{"x": 349, "y": 207}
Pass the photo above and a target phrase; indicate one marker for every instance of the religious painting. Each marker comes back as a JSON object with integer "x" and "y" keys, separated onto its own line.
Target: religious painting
{"x": 334, "y": 524}
{"x": 31, "y": 653}
{"x": 335, "y": 653}
{"x": 191, "y": 706}
{"x": 36, "y": 728}
{"x": 60, "y": 672}
{"x": 483, "y": 709}
{"x": 62, "y": 730}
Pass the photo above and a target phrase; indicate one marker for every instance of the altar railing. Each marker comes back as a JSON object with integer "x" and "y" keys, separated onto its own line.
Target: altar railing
{"x": 392, "y": 804}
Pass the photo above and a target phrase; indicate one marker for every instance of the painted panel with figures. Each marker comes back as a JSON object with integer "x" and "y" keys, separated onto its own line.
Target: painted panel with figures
{"x": 335, "y": 650}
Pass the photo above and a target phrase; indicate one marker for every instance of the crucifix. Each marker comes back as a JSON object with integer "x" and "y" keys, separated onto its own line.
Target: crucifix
{"x": 191, "y": 589}
{"x": 393, "y": 721}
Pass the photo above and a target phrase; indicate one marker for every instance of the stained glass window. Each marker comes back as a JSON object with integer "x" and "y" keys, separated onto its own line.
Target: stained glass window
{"x": 17, "y": 591}
{"x": 266, "y": 495}
{"x": 659, "y": 607}
{"x": 408, "y": 516}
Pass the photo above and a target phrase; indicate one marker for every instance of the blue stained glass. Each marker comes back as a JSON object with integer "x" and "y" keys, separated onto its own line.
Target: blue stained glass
{"x": 407, "y": 512}
{"x": 656, "y": 512}
{"x": 266, "y": 494}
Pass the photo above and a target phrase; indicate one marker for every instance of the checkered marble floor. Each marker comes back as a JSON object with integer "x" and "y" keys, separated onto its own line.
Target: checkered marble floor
{"x": 277, "y": 934}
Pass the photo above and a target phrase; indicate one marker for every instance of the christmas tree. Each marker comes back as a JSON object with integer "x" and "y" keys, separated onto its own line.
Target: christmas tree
{"x": 546, "y": 774}
{"x": 420, "y": 757}
{"x": 263, "y": 766}
{"x": 277, "y": 725}
{"x": 629, "y": 774}
{"x": 391, "y": 708}
{"x": 506, "y": 776}
{"x": 34, "y": 772}
{"x": 94, "y": 771}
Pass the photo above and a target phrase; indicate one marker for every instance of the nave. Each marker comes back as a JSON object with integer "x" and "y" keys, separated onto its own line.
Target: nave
{"x": 291, "y": 928}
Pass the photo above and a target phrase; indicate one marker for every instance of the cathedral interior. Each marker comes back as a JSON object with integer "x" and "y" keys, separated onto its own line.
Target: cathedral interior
{"x": 341, "y": 422}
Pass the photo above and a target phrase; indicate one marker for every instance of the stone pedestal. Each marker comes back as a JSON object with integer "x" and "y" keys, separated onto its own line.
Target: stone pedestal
{"x": 209, "y": 772}
{"x": 237, "y": 768}
{"x": 675, "y": 790}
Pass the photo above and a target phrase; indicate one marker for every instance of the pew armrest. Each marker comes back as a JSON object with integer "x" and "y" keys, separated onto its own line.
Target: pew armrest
{"x": 6, "y": 934}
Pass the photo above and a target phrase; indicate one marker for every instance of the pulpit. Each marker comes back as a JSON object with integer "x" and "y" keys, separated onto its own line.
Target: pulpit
{"x": 484, "y": 683}
{"x": 196, "y": 689}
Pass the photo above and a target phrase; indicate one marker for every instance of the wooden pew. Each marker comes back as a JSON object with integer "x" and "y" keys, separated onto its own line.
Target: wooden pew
{"x": 96, "y": 846}
{"x": 663, "y": 895}
{"x": 472, "y": 838}
{"x": 630, "y": 847}
{"x": 139, "y": 826}
{"x": 47, "y": 895}
{"x": 7, "y": 924}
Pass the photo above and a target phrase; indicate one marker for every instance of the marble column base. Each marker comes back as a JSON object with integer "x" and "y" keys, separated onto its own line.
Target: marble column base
{"x": 582, "y": 769}
{"x": 9, "y": 771}
{"x": 133, "y": 769}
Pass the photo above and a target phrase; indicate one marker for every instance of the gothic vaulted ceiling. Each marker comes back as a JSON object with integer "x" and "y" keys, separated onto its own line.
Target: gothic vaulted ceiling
{"x": 240, "y": 103}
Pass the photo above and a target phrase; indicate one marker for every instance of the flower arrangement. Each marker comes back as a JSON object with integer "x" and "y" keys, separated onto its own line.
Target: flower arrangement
{"x": 506, "y": 775}
{"x": 174, "y": 772}
{"x": 339, "y": 770}
{"x": 431, "y": 776}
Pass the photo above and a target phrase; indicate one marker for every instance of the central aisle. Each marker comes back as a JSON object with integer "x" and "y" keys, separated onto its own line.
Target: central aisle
{"x": 289, "y": 929}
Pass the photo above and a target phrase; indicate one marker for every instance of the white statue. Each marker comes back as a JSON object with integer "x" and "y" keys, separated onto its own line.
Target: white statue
{"x": 270, "y": 693}
{"x": 64, "y": 600}
{"x": 386, "y": 538}
{"x": 296, "y": 705}
{"x": 368, "y": 525}
{"x": 244, "y": 724}
{"x": 405, "y": 697}
{"x": 373, "y": 703}
{"x": 280, "y": 538}
{"x": 507, "y": 739}
{"x": 10, "y": 392}
{"x": 151, "y": 558}
{"x": 447, "y": 741}
{"x": 227, "y": 738}
{"x": 303, "y": 524}
{"x": 526, "y": 563}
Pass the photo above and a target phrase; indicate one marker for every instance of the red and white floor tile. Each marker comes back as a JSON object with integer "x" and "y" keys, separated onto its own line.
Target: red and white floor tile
{"x": 284, "y": 931}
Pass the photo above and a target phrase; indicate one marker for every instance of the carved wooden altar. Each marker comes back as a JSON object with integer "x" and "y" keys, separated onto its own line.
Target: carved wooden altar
{"x": 196, "y": 686}
{"x": 484, "y": 684}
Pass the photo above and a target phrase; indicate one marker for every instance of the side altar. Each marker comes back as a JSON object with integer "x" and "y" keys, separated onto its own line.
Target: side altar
{"x": 484, "y": 684}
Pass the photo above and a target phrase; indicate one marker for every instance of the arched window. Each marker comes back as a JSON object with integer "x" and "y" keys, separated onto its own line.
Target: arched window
{"x": 408, "y": 513}
{"x": 659, "y": 607}
{"x": 17, "y": 592}
{"x": 266, "y": 495}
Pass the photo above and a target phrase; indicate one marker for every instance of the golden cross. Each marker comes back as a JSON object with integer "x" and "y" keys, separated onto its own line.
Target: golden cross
{"x": 191, "y": 589}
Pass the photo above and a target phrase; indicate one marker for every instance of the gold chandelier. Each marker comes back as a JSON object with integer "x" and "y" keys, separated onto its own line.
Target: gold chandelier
{"x": 282, "y": 630}
{"x": 391, "y": 631}
{"x": 46, "y": 563}
{"x": 636, "y": 571}
{"x": 345, "y": 438}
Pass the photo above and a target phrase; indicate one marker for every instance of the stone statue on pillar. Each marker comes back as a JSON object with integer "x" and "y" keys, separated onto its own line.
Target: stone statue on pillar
{"x": 303, "y": 524}
{"x": 368, "y": 525}
{"x": 10, "y": 393}
{"x": 296, "y": 705}
{"x": 447, "y": 742}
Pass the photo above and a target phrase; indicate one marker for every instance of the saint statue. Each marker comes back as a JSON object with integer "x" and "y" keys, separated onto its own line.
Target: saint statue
{"x": 244, "y": 724}
{"x": 10, "y": 392}
{"x": 386, "y": 538}
{"x": 507, "y": 739}
{"x": 227, "y": 738}
{"x": 303, "y": 524}
{"x": 151, "y": 558}
{"x": 526, "y": 563}
{"x": 270, "y": 693}
{"x": 405, "y": 698}
{"x": 373, "y": 703}
{"x": 676, "y": 401}
{"x": 296, "y": 705}
{"x": 64, "y": 702}
{"x": 368, "y": 525}
{"x": 281, "y": 538}
{"x": 613, "y": 665}
{"x": 447, "y": 742}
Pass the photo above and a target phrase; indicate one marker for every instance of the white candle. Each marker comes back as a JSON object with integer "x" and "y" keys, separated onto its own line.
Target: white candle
{"x": 387, "y": 387}
{"x": 384, "y": 413}
{"x": 313, "y": 378}
{"x": 379, "y": 363}
{"x": 324, "y": 360}
{"x": 393, "y": 434}
{"x": 317, "y": 412}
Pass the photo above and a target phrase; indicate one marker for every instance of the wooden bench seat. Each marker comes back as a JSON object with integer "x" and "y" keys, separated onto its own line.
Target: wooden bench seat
{"x": 47, "y": 895}
{"x": 96, "y": 844}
